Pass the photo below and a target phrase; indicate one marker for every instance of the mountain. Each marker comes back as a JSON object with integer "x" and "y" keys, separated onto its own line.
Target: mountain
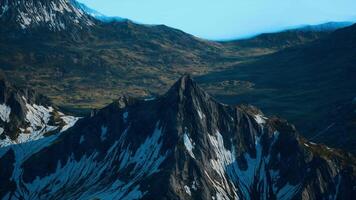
{"x": 74, "y": 63}
{"x": 182, "y": 145}
{"x": 312, "y": 85}
{"x": 54, "y": 15}
{"x": 89, "y": 62}
{"x": 287, "y": 38}
{"x": 26, "y": 115}
{"x": 327, "y": 27}
{"x": 97, "y": 14}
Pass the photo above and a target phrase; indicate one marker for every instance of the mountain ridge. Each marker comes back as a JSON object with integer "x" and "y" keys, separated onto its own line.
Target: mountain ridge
{"x": 54, "y": 15}
{"x": 182, "y": 145}
{"x": 289, "y": 37}
{"x": 106, "y": 52}
{"x": 27, "y": 115}
{"x": 315, "y": 79}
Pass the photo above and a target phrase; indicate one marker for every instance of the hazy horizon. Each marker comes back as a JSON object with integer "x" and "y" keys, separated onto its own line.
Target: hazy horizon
{"x": 228, "y": 19}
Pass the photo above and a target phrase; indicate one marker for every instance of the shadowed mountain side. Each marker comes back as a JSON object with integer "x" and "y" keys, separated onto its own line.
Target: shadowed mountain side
{"x": 182, "y": 145}
{"x": 306, "y": 84}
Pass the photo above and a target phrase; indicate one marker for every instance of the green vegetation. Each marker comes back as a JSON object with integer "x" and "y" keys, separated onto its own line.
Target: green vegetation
{"x": 126, "y": 58}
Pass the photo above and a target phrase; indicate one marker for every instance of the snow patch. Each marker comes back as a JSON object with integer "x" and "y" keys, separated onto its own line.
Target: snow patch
{"x": 150, "y": 99}
{"x": 329, "y": 149}
{"x": 69, "y": 122}
{"x": 227, "y": 168}
{"x": 188, "y": 144}
{"x": 147, "y": 157}
{"x": 260, "y": 119}
{"x": 187, "y": 190}
{"x": 37, "y": 115}
{"x": 194, "y": 186}
{"x": 38, "y": 118}
{"x": 34, "y": 135}
{"x": 5, "y": 113}
{"x": 201, "y": 115}
{"x": 224, "y": 158}
{"x": 55, "y": 15}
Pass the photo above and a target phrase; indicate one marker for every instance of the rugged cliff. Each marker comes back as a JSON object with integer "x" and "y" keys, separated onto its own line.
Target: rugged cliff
{"x": 182, "y": 145}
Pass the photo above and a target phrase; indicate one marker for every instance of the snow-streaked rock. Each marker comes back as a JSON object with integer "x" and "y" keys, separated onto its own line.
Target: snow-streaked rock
{"x": 260, "y": 119}
{"x": 27, "y": 116}
{"x": 56, "y": 15}
{"x": 188, "y": 144}
{"x": 167, "y": 151}
{"x": 5, "y": 112}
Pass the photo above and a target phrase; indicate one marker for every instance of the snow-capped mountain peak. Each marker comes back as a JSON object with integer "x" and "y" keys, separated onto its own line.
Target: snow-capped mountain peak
{"x": 55, "y": 15}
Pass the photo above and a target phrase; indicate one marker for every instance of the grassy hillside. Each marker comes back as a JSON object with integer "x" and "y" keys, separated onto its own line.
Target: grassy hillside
{"x": 90, "y": 68}
{"x": 313, "y": 85}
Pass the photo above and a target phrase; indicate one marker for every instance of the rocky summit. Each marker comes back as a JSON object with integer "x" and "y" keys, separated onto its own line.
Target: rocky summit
{"x": 54, "y": 15}
{"x": 26, "y": 115}
{"x": 181, "y": 145}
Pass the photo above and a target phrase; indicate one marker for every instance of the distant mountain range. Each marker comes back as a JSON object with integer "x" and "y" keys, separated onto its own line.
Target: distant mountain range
{"x": 182, "y": 145}
{"x": 324, "y": 27}
{"x": 289, "y": 37}
{"x": 328, "y": 26}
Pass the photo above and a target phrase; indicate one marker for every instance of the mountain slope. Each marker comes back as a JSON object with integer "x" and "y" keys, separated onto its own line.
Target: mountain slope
{"x": 79, "y": 65}
{"x": 327, "y": 27}
{"x": 287, "y": 38}
{"x": 27, "y": 116}
{"x": 97, "y": 14}
{"x": 74, "y": 65}
{"x": 311, "y": 85}
{"x": 55, "y": 15}
{"x": 182, "y": 145}
{"x": 87, "y": 65}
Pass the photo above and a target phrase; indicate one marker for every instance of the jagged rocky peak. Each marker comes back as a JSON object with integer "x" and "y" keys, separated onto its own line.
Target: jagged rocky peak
{"x": 188, "y": 98}
{"x": 54, "y": 15}
{"x": 26, "y": 115}
{"x": 185, "y": 87}
{"x": 182, "y": 145}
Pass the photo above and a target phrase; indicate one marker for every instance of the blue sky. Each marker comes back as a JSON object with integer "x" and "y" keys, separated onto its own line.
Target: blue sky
{"x": 228, "y": 19}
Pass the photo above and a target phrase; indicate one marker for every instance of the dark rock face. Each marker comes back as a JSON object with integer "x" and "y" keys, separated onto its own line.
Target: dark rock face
{"x": 26, "y": 115}
{"x": 312, "y": 85}
{"x": 340, "y": 127}
{"x": 182, "y": 145}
